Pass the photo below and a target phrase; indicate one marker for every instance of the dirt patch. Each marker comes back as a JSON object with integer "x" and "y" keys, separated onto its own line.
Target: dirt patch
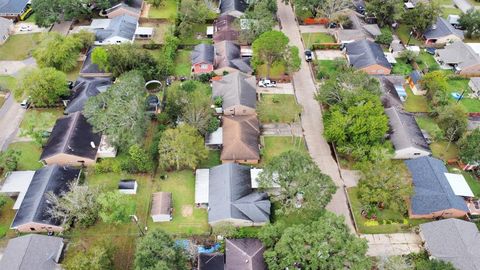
{"x": 187, "y": 211}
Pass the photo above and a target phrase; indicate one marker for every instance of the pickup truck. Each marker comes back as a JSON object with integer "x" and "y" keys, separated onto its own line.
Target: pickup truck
{"x": 267, "y": 83}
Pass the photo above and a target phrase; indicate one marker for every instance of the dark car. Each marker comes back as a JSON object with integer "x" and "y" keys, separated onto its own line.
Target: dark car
{"x": 430, "y": 51}
{"x": 308, "y": 56}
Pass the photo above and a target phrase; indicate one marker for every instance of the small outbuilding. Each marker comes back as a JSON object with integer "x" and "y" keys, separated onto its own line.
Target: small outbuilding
{"x": 414, "y": 82}
{"x": 475, "y": 85}
{"x": 128, "y": 186}
{"x": 161, "y": 207}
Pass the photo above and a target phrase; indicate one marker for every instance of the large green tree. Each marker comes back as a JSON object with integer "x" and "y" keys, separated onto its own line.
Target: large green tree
{"x": 120, "y": 112}
{"x": 157, "y": 251}
{"x": 323, "y": 244}
{"x": 330, "y": 8}
{"x": 58, "y": 51}
{"x": 115, "y": 207}
{"x": 452, "y": 119}
{"x": 297, "y": 174}
{"x": 471, "y": 22}
{"x": 9, "y": 160}
{"x": 260, "y": 18}
{"x": 192, "y": 12}
{"x": 470, "y": 147}
{"x": 44, "y": 86}
{"x": 98, "y": 257}
{"x": 48, "y": 12}
{"x": 422, "y": 16}
{"x": 436, "y": 85}
{"x": 386, "y": 11}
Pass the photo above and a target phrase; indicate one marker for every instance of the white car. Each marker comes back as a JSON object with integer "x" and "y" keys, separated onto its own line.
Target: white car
{"x": 25, "y": 28}
{"x": 267, "y": 83}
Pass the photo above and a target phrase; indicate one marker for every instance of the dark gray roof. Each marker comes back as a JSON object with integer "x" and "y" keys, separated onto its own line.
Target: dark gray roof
{"x": 121, "y": 26}
{"x": 432, "y": 192}
{"x": 88, "y": 67}
{"x": 33, "y": 251}
{"x": 244, "y": 254}
{"x": 52, "y": 178}
{"x": 83, "y": 89}
{"x": 232, "y": 197}
{"x": 203, "y": 53}
{"x": 127, "y": 184}
{"x": 236, "y": 89}
{"x": 228, "y": 54}
{"x": 364, "y": 53}
{"x": 225, "y": 29}
{"x": 454, "y": 241}
{"x": 12, "y": 6}
{"x": 72, "y": 135}
{"x": 232, "y": 5}
{"x": 404, "y": 130}
{"x": 390, "y": 97}
{"x": 442, "y": 28}
{"x": 211, "y": 261}
{"x": 133, "y": 5}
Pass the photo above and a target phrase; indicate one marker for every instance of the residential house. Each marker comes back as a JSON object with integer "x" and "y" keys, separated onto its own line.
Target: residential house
{"x": 228, "y": 57}
{"x": 89, "y": 69}
{"x": 16, "y": 185}
{"x": 234, "y": 8}
{"x": 345, "y": 36}
{"x": 162, "y": 207}
{"x": 118, "y": 30}
{"x": 84, "y": 89}
{"x": 32, "y": 251}
{"x": 368, "y": 56}
{"x": 241, "y": 139}
{"x": 405, "y": 135}
{"x": 433, "y": 197}
{"x": 224, "y": 29}
{"x": 231, "y": 198}
{"x": 414, "y": 82}
{"x": 12, "y": 9}
{"x": 211, "y": 261}
{"x": 474, "y": 84}
{"x": 132, "y": 8}
{"x": 393, "y": 92}
{"x": 6, "y": 28}
{"x": 453, "y": 240}
{"x": 72, "y": 142}
{"x": 464, "y": 6}
{"x": 128, "y": 186}
{"x": 238, "y": 92}
{"x": 461, "y": 57}
{"x": 203, "y": 58}
{"x": 32, "y": 215}
{"x": 442, "y": 32}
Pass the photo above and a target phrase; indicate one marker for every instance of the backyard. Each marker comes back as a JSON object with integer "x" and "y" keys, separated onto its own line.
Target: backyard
{"x": 415, "y": 103}
{"x": 316, "y": 38}
{"x": 182, "y": 63}
{"x": 277, "y": 71}
{"x": 18, "y": 47}
{"x": 275, "y": 145}
{"x": 460, "y": 85}
{"x": 403, "y": 33}
{"x": 168, "y": 10}
{"x": 426, "y": 61}
{"x": 7, "y": 82}
{"x": 402, "y": 67}
{"x": 29, "y": 155}
{"x": 278, "y": 109}
{"x": 438, "y": 147}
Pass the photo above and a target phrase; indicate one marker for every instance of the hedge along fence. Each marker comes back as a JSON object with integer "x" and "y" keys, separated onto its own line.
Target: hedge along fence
{"x": 310, "y": 21}
{"x": 326, "y": 46}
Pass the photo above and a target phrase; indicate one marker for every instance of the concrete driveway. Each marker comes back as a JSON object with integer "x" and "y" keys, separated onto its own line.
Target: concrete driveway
{"x": 392, "y": 244}
{"x": 282, "y": 89}
{"x": 13, "y": 68}
{"x": 329, "y": 54}
{"x": 313, "y": 28}
{"x": 280, "y": 129}
{"x": 34, "y": 28}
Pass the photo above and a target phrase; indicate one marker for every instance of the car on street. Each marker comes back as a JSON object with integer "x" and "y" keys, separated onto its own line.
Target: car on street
{"x": 308, "y": 56}
{"x": 25, "y": 103}
{"x": 267, "y": 83}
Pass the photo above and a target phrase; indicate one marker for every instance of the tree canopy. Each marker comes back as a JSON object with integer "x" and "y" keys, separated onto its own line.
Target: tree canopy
{"x": 470, "y": 147}
{"x": 44, "y": 86}
{"x": 452, "y": 119}
{"x": 260, "y": 19}
{"x": 471, "y": 22}
{"x": 192, "y": 12}
{"x": 48, "y": 12}
{"x": 9, "y": 160}
{"x": 422, "y": 16}
{"x": 115, "y": 207}
{"x": 98, "y": 257}
{"x": 386, "y": 11}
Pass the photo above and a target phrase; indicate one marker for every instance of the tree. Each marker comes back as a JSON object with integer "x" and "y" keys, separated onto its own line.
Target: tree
{"x": 58, "y": 51}
{"x": 394, "y": 263}
{"x": 259, "y": 19}
{"x": 330, "y": 8}
{"x": 100, "y": 58}
{"x": 48, "y": 12}
{"x": 156, "y": 3}
{"x": 471, "y": 22}
{"x": 120, "y": 112}
{"x": 192, "y": 12}
{"x": 272, "y": 47}
{"x": 166, "y": 60}
{"x": 470, "y": 147}
{"x": 44, "y": 86}
{"x": 434, "y": 264}
{"x": 386, "y": 37}
{"x": 452, "y": 119}
{"x": 3, "y": 201}
{"x": 139, "y": 159}
{"x": 198, "y": 112}
{"x": 386, "y": 11}
{"x": 34, "y": 127}
{"x": 436, "y": 84}
{"x": 156, "y": 250}
{"x": 98, "y": 257}
{"x": 9, "y": 160}
{"x": 86, "y": 38}
{"x": 181, "y": 147}
{"x": 422, "y": 16}
{"x": 323, "y": 244}
{"x": 115, "y": 207}
{"x": 78, "y": 206}
{"x": 296, "y": 173}
{"x": 382, "y": 184}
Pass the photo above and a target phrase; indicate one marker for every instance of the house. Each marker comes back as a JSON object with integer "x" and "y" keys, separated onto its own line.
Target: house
{"x": 442, "y": 32}
{"x": 396, "y": 48}
{"x": 241, "y": 139}
{"x": 405, "y": 135}
{"x": 464, "y": 6}
{"x": 345, "y": 36}
{"x": 231, "y": 198}
{"x": 234, "y": 8}
{"x": 414, "y": 80}
{"x": 32, "y": 215}
{"x": 118, "y": 30}
{"x": 161, "y": 207}
{"x": 244, "y": 254}
{"x": 238, "y": 92}
{"x": 83, "y": 89}
{"x": 474, "y": 84}
{"x": 393, "y": 92}
{"x": 128, "y": 186}
{"x": 433, "y": 197}
{"x": 16, "y": 185}
{"x": 461, "y": 57}
{"x": 203, "y": 58}
{"x": 211, "y": 261}
{"x": 72, "y": 142}
{"x": 453, "y": 240}
{"x": 368, "y": 56}
{"x": 12, "y": 9}
{"x": 372, "y": 30}
{"x": 228, "y": 57}
{"x": 32, "y": 251}
{"x": 6, "y": 28}
{"x": 89, "y": 69}
{"x": 132, "y": 8}
{"x": 224, "y": 29}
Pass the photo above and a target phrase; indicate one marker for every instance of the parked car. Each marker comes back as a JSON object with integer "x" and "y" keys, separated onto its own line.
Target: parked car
{"x": 25, "y": 103}
{"x": 267, "y": 83}
{"x": 308, "y": 56}
{"x": 25, "y": 28}
{"x": 430, "y": 51}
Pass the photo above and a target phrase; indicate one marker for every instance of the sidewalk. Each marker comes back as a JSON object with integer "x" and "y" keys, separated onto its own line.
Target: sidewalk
{"x": 392, "y": 244}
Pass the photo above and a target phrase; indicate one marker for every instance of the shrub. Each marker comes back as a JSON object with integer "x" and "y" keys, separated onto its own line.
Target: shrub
{"x": 385, "y": 38}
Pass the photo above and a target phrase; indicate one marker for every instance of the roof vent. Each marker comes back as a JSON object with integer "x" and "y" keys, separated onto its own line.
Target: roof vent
{"x": 92, "y": 144}
{"x": 246, "y": 261}
{"x": 434, "y": 26}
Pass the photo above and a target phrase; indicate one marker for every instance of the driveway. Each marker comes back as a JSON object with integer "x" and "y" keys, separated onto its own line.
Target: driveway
{"x": 294, "y": 129}
{"x": 11, "y": 115}
{"x": 312, "y": 117}
{"x": 13, "y": 68}
{"x": 282, "y": 89}
{"x": 313, "y": 28}
{"x": 329, "y": 54}
{"x": 392, "y": 244}
{"x": 34, "y": 28}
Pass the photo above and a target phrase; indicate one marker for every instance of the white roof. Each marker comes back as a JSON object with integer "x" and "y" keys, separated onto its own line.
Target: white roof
{"x": 409, "y": 5}
{"x": 17, "y": 182}
{"x": 215, "y": 138}
{"x": 390, "y": 58}
{"x": 413, "y": 48}
{"x": 100, "y": 23}
{"x": 144, "y": 31}
{"x": 459, "y": 185}
{"x": 475, "y": 47}
{"x": 254, "y": 173}
{"x": 209, "y": 30}
{"x": 202, "y": 179}
{"x": 453, "y": 19}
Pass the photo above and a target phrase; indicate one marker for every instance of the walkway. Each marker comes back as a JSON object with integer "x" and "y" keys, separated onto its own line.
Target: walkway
{"x": 13, "y": 68}
{"x": 293, "y": 129}
{"x": 281, "y": 89}
{"x": 312, "y": 116}
{"x": 392, "y": 244}
{"x": 11, "y": 115}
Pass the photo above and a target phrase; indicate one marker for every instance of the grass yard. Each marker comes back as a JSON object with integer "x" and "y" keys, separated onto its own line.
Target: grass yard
{"x": 278, "y": 109}
{"x": 315, "y": 38}
{"x": 403, "y": 32}
{"x": 29, "y": 155}
{"x": 428, "y": 124}
{"x": 73, "y": 74}
{"x": 427, "y": 61}
{"x": 415, "y": 103}
{"x": 450, "y": 11}
{"x": 198, "y": 36}
{"x": 471, "y": 180}
{"x": 6, "y": 217}
{"x": 168, "y": 10}
{"x": 44, "y": 118}
{"x": 18, "y": 47}
{"x": 276, "y": 71}
{"x": 275, "y": 145}
{"x": 439, "y": 150}
{"x": 183, "y": 64}
{"x": 212, "y": 160}
{"x": 402, "y": 67}
{"x": 458, "y": 86}
{"x": 7, "y": 82}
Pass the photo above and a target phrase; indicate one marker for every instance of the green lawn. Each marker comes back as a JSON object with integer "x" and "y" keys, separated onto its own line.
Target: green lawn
{"x": 73, "y": 74}
{"x": 471, "y": 180}
{"x": 427, "y": 61}
{"x": 7, "y": 82}
{"x": 6, "y": 217}
{"x": 275, "y": 145}
{"x": 403, "y": 32}
{"x": 45, "y": 118}
{"x": 439, "y": 150}
{"x": 168, "y": 10}
{"x": 450, "y": 11}
{"x": 18, "y": 47}
{"x": 198, "y": 36}
{"x": 276, "y": 71}
{"x": 402, "y": 67}
{"x": 29, "y": 155}
{"x": 415, "y": 103}
{"x": 183, "y": 64}
{"x": 315, "y": 38}
{"x": 278, "y": 109}
{"x": 212, "y": 160}
{"x": 428, "y": 124}
{"x": 458, "y": 86}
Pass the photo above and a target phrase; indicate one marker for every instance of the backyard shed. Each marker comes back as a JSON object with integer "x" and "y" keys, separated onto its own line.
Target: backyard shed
{"x": 202, "y": 177}
{"x": 161, "y": 207}
{"x": 128, "y": 186}
{"x": 459, "y": 185}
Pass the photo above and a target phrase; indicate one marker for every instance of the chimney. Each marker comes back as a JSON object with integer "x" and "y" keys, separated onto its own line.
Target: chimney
{"x": 92, "y": 144}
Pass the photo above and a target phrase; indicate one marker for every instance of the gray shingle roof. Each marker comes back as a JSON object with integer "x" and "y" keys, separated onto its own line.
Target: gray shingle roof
{"x": 460, "y": 54}
{"x": 32, "y": 251}
{"x": 232, "y": 197}
{"x": 236, "y": 89}
{"x": 52, "y": 178}
{"x": 211, "y": 261}
{"x": 84, "y": 89}
{"x": 228, "y": 54}
{"x": 203, "y": 53}
{"x": 442, "y": 28}
{"x": 12, "y": 6}
{"x": 244, "y": 254}
{"x": 364, "y": 53}
{"x": 404, "y": 130}
{"x": 133, "y": 5}
{"x": 122, "y": 26}
{"x": 432, "y": 192}
{"x": 233, "y": 5}
{"x": 454, "y": 241}
{"x": 390, "y": 97}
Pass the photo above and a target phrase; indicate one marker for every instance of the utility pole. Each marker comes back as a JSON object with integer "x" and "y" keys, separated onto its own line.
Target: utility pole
{"x": 135, "y": 219}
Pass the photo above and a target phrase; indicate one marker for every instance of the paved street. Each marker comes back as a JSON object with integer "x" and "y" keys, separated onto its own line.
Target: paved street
{"x": 11, "y": 116}
{"x": 312, "y": 116}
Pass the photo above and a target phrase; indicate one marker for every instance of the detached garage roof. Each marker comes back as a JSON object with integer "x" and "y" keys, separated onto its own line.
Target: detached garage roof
{"x": 459, "y": 185}
{"x": 201, "y": 185}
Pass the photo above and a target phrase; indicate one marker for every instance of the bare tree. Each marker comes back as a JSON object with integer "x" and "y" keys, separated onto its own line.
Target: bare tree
{"x": 329, "y": 8}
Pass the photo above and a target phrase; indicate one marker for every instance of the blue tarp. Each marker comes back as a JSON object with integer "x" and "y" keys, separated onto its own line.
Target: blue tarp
{"x": 212, "y": 249}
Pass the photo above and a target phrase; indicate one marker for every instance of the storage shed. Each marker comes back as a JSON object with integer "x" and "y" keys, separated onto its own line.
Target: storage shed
{"x": 128, "y": 186}
{"x": 161, "y": 207}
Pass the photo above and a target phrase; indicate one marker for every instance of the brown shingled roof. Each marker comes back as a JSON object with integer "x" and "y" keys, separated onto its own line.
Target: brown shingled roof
{"x": 241, "y": 138}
